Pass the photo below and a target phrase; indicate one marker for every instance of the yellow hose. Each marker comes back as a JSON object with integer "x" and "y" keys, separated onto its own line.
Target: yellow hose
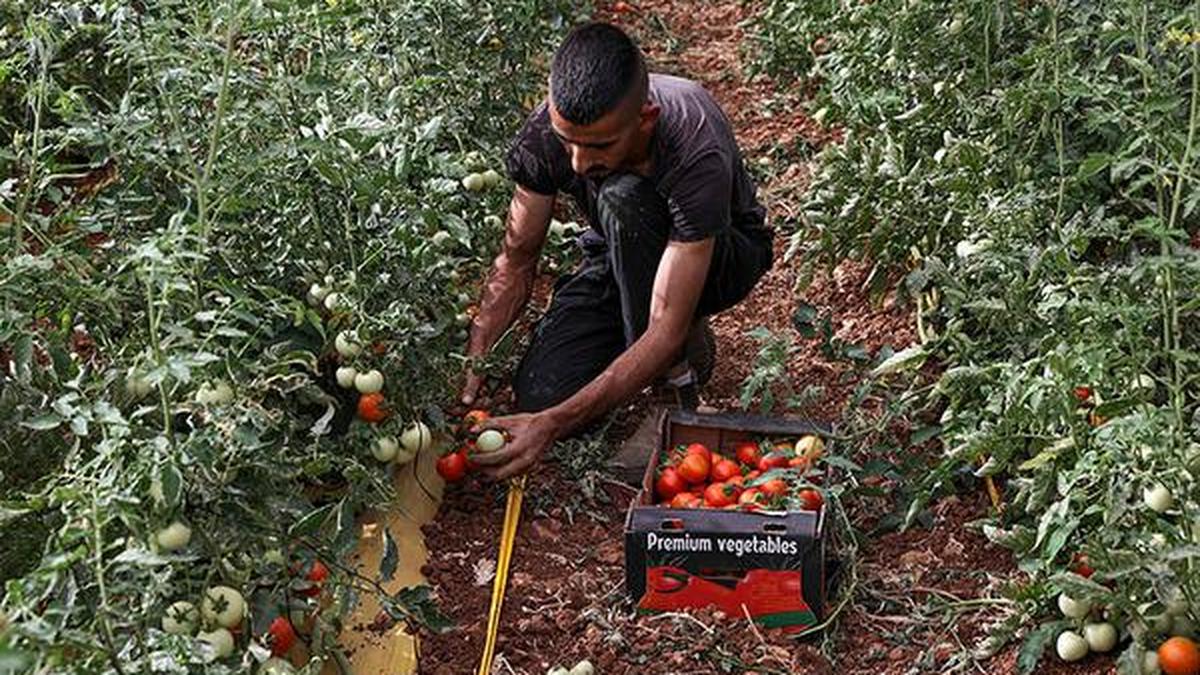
{"x": 508, "y": 535}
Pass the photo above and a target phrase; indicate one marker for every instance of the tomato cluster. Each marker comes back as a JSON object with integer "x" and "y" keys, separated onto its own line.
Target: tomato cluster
{"x": 754, "y": 476}
{"x": 454, "y": 466}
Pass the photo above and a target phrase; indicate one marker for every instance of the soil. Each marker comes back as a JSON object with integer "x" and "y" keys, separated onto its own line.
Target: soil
{"x": 922, "y": 598}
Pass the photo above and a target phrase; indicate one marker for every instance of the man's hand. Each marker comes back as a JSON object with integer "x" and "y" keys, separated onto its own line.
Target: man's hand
{"x": 529, "y": 434}
{"x": 471, "y": 384}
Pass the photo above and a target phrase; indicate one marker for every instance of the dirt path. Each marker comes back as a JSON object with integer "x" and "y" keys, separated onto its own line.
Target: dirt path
{"x": 913, "y": 608}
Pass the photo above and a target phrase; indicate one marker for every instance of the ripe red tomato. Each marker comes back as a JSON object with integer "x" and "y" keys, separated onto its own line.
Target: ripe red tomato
{"x": 752, "y": 496}
{"x": 723, "y": 470}
{"x": 698, "y": 449}
{"x": 720, "y": 495}
{"x": 686, "y": 500}
{"x": 1080, "y": 566}
{"x": 474, "y": 418}
{"x": 798, "y": 463}
{"x": 452, "y": 467}
{"x": 317, "y": 574}
{"x": 774, "y": 488}
{"x": 748, "y": 453}
{"x": 694, "y": 468}
{"x": 810, "y": 499}
{"x": 669, "y": 484}
{"x": 772, "y": 461}
{"x": 753, "y": 474}
{"x": 1083, "y": 394}
{"x": 280, "y": 635}
{"x": 372, "y": 408}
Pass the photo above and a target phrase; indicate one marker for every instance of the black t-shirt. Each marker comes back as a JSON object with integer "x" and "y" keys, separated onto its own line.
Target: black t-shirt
{"x": 698, "y": 167}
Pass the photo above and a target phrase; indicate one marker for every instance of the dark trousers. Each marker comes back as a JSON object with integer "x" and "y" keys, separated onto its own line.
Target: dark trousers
{"x": 604, "y": 306}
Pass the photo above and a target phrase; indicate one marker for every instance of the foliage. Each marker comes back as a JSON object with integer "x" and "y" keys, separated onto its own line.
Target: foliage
{"x": 174, "y": 177}
{"x": 1029, "y": 171}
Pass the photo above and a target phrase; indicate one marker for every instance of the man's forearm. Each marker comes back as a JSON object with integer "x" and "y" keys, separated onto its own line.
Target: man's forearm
{"x": 505, "y": 294}
{"x": 645, "y": 359}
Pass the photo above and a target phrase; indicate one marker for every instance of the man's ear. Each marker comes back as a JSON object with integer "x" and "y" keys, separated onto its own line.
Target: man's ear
{"x": 648, "y": 116}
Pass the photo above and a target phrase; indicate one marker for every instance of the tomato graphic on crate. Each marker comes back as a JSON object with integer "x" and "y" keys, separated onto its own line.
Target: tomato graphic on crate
{"x": 774, "y": 598}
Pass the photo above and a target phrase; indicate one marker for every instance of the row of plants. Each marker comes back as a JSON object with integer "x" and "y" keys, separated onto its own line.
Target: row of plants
{"x": 241, "y": 243}
{"x": 1025, "y": 174}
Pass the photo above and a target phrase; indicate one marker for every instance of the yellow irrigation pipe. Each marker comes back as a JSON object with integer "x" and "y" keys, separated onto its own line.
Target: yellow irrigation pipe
{"x": 508, "y": 535}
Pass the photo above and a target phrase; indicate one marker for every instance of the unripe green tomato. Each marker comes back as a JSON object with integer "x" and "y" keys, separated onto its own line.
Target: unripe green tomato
{"x": 137, "y": 386}
{"x": 369, "y": 382}
{"x": 276, "y": 666}
{"x": 317, "y": 294}
{"x": 1158, "y": 498}
{"x": 1108, "y": 26}
{"x": 1072, "y": 608}
{"x": 1100, "y": 637}
{"x": 493, "y": 221}
{"x": 491, "y": 178}
{"x": 584, "y": 667}
{"x": 174, "y": 536}
{"x": 181, "y": 618}
{"x": 333, "y": 301}
{"x": 442, "y": 238}
{"x": 1150, "y": 663}
{"x": 223, "y": 606}
{"x": 345, "y": 377}
{"x": 474, "y": 182}
{"x": 347, "y": 345}
{"x": 221, "y": 641}
{"x": 385, "y": 448}
{"x": 490, "y": 440}
{"x": 1071, "y": 646}
{"x": 416, "y": 438}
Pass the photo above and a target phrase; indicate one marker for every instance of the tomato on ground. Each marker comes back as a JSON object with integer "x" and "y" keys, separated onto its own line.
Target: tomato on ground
{"x": 372, "y": 408}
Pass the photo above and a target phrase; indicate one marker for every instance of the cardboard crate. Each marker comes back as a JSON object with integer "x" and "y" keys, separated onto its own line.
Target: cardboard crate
{"x": 770, "y": 565}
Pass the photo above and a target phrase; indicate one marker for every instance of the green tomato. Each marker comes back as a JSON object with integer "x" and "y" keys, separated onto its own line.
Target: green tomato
{"x": 1100, "y": 637}
{"x": 1158, "y": 498}
{"x": 490, "y": 440}
{"x": 1071, "y": 646}
{"x": 491, "y": 178}
{"x": 181, "y": 618}
{"x": 223, "y": 606}
{"x": 368, "y": 382}
{"x": 347, "y": 345}
{"x": 474, "y": 182}
{"x": 174, "y": 536}
{"x": 1072, "y": 608}
{"x": 221, "y": 641}
{"x": 276, "y": 666}
{"x": 345, "y": 377}
{"x": 416, "y": 438}
{"x": 385, "y": 448}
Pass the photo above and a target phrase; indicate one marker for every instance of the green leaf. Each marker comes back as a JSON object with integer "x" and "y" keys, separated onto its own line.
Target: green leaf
{"x": 43, "y": 422}
{"x": 1035, "y": 645}
{"x": 311, "y": 522}
{"x": 172, "y": 485}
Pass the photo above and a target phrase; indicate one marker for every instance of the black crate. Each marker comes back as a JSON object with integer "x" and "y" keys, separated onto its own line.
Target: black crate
{"x": 769, "y": 565}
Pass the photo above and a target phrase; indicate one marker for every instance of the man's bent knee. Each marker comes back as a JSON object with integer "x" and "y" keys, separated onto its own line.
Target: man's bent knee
{"x": 628, "y": 203}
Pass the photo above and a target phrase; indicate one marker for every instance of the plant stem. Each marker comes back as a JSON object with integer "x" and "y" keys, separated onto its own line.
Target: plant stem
{"x": 98, "y": 570}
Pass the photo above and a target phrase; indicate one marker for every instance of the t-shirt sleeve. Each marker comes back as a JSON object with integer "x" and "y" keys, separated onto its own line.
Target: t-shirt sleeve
{"x": 699, "y": 198}
{"x": 529, "y": 162}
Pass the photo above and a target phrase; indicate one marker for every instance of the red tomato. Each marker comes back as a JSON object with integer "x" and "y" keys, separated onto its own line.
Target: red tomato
{"x": 694, "y": 468}
{"x": 753, "y": 474}
{"x": 810, "y": 499}
{"x": 317, "y": 574}
{"x": 772, "y": 461}
{"x": 452, "y": 467}
{"x": 798, "y": 463}
{"x": 784, "y": 448}
{"x": 774, "y": 487}
{"x": 1080, "y": 566}
{"x": 1084, "y": 394}
{"x": 748, "y": 453}
{"x": 698, "y": 449}
{"x": 719, "y": 495}
{"x": 685, "y": 500}
{"x": 738, "y": 480}
{"x": 669, "y": 484}
{"x": 723, "y": 470}
{"x": 475, "y": 417}
{"x": 372, "y": 408}
{"x": 280, "y": 635}
{"x": 751, "y": 495}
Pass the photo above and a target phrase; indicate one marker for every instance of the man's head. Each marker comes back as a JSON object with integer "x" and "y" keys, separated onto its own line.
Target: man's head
{"x": 598, "y": 100}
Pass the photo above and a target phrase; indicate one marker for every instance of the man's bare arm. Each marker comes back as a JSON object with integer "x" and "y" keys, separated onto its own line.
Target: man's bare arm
{"x": 677, "y": 287}
{"x": 511, "y": 279}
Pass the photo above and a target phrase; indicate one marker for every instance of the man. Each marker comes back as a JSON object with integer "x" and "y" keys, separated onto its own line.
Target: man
{"x": 676, "y": 233}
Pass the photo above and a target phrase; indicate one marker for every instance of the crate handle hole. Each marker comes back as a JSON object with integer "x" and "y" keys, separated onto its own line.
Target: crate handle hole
{"x": 672, "y": 524}
{"x": 775, "y": 528}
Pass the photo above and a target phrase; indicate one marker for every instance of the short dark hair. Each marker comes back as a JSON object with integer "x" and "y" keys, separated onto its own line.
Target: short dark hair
{"x": 595, "y": 68}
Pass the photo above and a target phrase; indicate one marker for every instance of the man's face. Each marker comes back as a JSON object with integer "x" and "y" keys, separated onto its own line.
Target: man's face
{"x": 617, "y": 141}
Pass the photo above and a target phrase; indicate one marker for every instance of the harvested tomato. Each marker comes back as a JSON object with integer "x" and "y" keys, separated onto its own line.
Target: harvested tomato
{"x": 686, "y": 500}
{"x": 280, "y": 635}
{"x": 719, "y": 495}
{"x": 810, "y": 499}
{"x": 317, "y": 574}
{"x": 772, "y": 461}
{"x": 784, "y": 448}
{"x": 1083, "y": 394}
{"x": 751, "y": 495}
{"x": 748, "y": 453}
{"x": 798, "y": 463}
{"x": 694, "y": 468}
{"x": 475, "y": 418}
{"x": 372, "y": 408}
{"x": 723, "y": 470}
{"x": 1080, "y": 566}
{"x": 774, "y": 488}
{"x": 669, "y": 484}
{"x": 699, "y": 449}
{"x": 738, "y": 480}
{"x": 753, "y": 474}
{"x": 452, "y": 467}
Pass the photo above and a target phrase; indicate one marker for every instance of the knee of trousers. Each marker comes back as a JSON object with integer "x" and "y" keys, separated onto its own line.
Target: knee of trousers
{"x": 627, "y": 203}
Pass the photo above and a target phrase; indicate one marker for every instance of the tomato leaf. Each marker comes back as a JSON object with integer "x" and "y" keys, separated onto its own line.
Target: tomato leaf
{"x": 1035, "y": 646}
{"x": 391, "y": 557}
{"x": 310, "y": 523}
{"x": 172, "y": 485}
{"x": 43, "y": 422}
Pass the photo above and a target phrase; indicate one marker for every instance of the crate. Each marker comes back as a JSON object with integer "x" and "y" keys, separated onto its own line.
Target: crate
{"x": 768, "y": 565}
